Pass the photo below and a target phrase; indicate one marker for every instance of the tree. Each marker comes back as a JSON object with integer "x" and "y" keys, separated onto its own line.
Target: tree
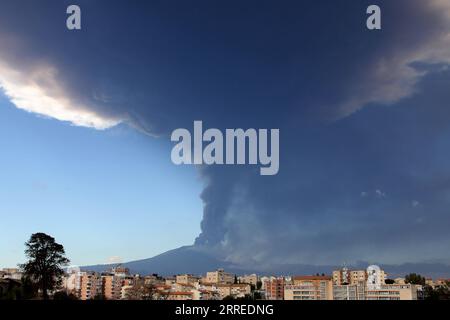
{"x": 389, "y": 281}
{"x": 10, "y": 289}
{"x": 46, "y": 260}
{"x": 99, "y": 296}
{"x": 441, "y": 292}
{"x": 17, "y": 290}
{"x": 62, "y": 295}
{"x": 141, "y": 291}
{"x": 414, "y": 278}
{"x": 257, "y": 295}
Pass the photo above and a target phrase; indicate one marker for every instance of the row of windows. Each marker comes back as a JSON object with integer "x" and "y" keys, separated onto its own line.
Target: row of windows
{"x": 375, "y": 293}
{"x": 303, "y": 298}
{"x": 304, "y": 292}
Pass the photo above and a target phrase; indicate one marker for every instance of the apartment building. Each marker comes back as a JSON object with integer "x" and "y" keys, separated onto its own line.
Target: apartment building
{"x": 353, "y": 277}
{"x": 219, "y": 277}
{"x": 154, "y": 279}
{"x": 11, "y": 273}
{"x": 346, "y": 276}
{"x": 350, "y": 292}
{"x": 180, "y": 295}
{"x": 112, "y": 286}
{"x": 11, "y": 270}
{"x": 393, "y": 292}
{"x": 187, "y": 279}
{"x": 442, "y": 282}
{"x": 183, "y": 287}
{"x": 120, "y": 271}
{"x": 170, "y": 281}
{"x": 199, "y": 294}
{"x": 274, "y": 288}
{"x": 90, "y": 284}
{"x": 250, "y": 279}
{"x": 238, "y": 290}
{"x": 69, "y": 282}
{"x": 309, "y": 288}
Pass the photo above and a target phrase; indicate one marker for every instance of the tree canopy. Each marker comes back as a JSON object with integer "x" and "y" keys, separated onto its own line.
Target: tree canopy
{"x": 415, "y": 278}
{"x": 46, "y": 259}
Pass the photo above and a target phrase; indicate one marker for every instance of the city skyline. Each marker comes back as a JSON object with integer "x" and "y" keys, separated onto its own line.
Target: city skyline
{"x": 119, "y": 283}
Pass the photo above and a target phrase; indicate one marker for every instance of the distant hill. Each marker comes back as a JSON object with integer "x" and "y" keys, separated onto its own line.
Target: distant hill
{"x": 191, "y": 259}
{"x": 187, "y": 259}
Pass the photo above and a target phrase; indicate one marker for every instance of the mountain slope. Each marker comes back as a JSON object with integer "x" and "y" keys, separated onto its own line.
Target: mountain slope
{"x": 191, "y": 259}
{"x": 187, "y": 259}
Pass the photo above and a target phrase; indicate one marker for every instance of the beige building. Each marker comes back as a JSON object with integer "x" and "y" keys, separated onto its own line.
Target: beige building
{"x": 309, "y": 288}
{"x": 124, "y": 291}
{"x": 383, "y": 292}
{"x": 180, "y": 295}
{"x": 155, "y": 280}
{"x": 442, "y": 282}
{"x": 357, "y": 276}
{"x": 170, "y": 280}
{"x": 399, "y": 281}
{"x": 200, "y": 294}
{"x": 10, "y": 270}
{"x": 393, "y": 292}
{"x": 120, "y": 271}
{"x": 353, "y": 277}
{"x": 250, "y": 279}
{"x": 350, "y": 292}
{"x": 69, "y": 283}
{"x": 238, "y": 290}
{"x": 219, "y": 277}
{"x": 11, "y": 273}
{"x": 345, "y": 276}
{"x": 183, "y": 287}
{"x": 187, "y": 279}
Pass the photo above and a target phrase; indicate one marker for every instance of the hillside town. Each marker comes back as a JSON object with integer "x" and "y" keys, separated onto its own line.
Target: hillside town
{"x": 343, "y": 284}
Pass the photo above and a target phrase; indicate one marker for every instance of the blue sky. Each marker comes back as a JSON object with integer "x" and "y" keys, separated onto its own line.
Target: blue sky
{"x": 363, "y": 118}
{"x": 60, "y": 179}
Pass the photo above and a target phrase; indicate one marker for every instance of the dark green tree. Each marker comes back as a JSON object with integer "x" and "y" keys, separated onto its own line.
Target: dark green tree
{"x": 10, "y": 289}
{"x": 17, "y": 290}
{"x": 258, "y": 285}
{"x": 414, "y": 278}
{"x": 62, "y": 295}
{"x": 441, "y": 292}
{"x": 257, "y": 295}
{"x": 46, "y": 260}
{"x": 389, "y": 281}
{"x": 99, "y": 296}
